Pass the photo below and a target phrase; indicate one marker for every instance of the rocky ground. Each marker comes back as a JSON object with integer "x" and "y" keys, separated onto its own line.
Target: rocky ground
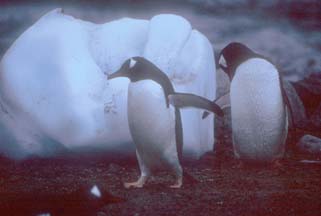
{"x": 61, "y": 185}
{"x": 56, "y": 186}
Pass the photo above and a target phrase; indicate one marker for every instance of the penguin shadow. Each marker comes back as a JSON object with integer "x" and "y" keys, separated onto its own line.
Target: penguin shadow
{"x": 86, "y": 201}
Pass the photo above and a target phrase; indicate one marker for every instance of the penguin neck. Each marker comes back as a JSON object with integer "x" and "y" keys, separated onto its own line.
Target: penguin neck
{"x": 231, "y": 69}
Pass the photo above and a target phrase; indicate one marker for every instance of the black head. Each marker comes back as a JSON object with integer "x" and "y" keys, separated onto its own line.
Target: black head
{"x": 137, "y": 68}
{"x": 233, "y": 55}
{"x": 126, "y": 70}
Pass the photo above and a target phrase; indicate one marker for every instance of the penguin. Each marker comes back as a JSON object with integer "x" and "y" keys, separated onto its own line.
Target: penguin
{"x": 259, "y": 105}
{"x": 155, "y": 127}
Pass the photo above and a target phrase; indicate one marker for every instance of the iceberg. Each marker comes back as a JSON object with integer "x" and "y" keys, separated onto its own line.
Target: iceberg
{"x": 54, "y": 95}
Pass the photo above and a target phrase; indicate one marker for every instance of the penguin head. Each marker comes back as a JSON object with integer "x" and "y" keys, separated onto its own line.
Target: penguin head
{"x": 233, "y": 55}
{"x": 129, "y": 69}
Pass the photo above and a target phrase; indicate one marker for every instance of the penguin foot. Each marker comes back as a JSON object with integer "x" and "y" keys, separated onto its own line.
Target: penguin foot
{"x": 137, "y": 184}
{"x": 178, "y": 184}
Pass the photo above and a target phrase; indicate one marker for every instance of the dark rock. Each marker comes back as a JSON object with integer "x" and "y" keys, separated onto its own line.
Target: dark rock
{"x": 309, "y": 90}
{"x": 310, "y": 145}
{"x": 316, "y": 118}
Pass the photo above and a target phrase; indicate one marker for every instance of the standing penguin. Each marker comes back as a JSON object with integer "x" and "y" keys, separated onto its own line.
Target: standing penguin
{"x": 259, "y": 106}
{"x": 155, "y": 127}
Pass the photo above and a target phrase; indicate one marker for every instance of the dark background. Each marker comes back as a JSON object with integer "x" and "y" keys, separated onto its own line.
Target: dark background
{"x": 286, "y": 31}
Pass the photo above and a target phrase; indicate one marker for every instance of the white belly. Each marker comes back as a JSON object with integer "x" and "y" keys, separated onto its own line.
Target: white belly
{"x": 259, "y": 120}
{"x": 151, "y": 123}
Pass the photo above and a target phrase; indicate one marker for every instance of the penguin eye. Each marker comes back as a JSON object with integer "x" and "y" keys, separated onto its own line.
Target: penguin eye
{"x": 132, "y": 63}
{"x": 222, "y": 61}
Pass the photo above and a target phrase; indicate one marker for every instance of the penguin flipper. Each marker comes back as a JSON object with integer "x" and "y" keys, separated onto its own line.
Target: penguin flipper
{"x": 223, "y": 102}
{"x": 181, "y": 100}
{"x": 286, "y": 101}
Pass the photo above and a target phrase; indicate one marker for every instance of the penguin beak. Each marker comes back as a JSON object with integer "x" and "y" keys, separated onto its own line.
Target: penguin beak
{"x": 116, "y": 74}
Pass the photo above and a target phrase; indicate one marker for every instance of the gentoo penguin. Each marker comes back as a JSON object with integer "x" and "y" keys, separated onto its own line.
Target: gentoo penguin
{"x": 259, "y": 106}
{"x": 155, "y": 127}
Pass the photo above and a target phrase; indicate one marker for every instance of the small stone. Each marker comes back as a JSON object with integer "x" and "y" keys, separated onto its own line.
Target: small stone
{"x": 310, "y": 144}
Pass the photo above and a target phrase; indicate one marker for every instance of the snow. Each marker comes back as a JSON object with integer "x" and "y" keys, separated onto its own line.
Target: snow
{"x": 95, "y": 191}
{"x": 55, "y": 97}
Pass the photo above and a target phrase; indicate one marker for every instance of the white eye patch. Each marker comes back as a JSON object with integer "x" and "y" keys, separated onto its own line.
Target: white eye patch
{"x": 95, "y": 191}
{"x": 222, "y": 61}
{"x": 132, "y": 63}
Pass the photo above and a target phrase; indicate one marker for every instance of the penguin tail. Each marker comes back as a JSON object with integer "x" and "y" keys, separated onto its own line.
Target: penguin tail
{"x": 182, "y": 100}
{"x": 223, "y": 102}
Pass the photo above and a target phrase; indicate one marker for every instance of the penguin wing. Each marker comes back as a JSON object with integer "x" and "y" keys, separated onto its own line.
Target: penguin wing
{"x": 223, "y": 102}
{"x": 286, "y": 99}
{"x": 181, "y": 100}
{"x": 299, "y": 121}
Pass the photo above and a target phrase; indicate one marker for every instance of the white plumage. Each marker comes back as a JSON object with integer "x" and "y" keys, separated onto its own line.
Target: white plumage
{"x": 259, "y": 116}
{"x": 152, "y": 126}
